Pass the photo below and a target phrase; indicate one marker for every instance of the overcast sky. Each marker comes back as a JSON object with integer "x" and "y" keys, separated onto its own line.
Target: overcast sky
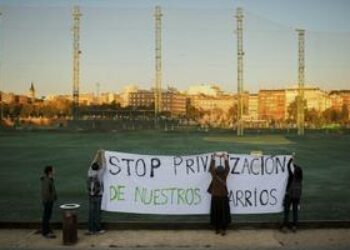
{"x": 199, "y": 44}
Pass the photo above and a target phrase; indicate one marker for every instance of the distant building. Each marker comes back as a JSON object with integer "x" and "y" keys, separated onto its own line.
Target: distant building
{"x": 87, "y": 99}
{"x": 108, "y": 98}
{"x": 205, "y": 102}
{"x": 339, "y": 98}
{"x": 172, "y": 100}
{"x": 316, "y": 98}
{"x": 253, "y": 107}
{"x": 272, "y": 104}
{"x": 8, "y": 97}
{"x": 22, "y": 99}
{"x": 345, "y": 95}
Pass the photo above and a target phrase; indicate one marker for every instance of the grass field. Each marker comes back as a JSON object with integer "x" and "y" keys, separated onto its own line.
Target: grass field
{"x": 325, "y": 159}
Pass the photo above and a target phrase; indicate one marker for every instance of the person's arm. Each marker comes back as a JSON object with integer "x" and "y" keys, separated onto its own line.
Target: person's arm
{"x": 45, "y": 192}
{"x": 88, "y": 184}
{"x": 301, "y": 174}
{"x": 212, "y": 165}
{"x": 227, "y": 165}
{"x": 290, "y": 174}
{"x": 53, "y": 190}
{"x": 290, "y": 162}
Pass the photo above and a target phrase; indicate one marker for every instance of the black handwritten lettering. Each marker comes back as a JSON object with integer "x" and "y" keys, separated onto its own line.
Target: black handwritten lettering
{"x": 116, "y": 168}
{"x": 177, "y": 162}
{"x": 128, "y": 164}
{"x": 205, "y": 163}
{"x": 280, "y": 164}
{"x": 239, "y": 196}
{"x": 189, "y": 164}
{"x": 235, "y": 163}
{"x": 273, "y": 196}
{"x": 252, "y": 166}
{"x": 140, "y": 163}
{"x": 246, "y": 166}
{"x": 248, "y": 195}
{"x": 269, "y": 167}
{"x": 262, "y": 201}
{"x": 155, "y": 163}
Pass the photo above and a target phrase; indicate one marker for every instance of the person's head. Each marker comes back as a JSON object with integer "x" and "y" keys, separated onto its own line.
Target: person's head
{"x": 48, "y": 170}
{"x": 220, "y": 170}
{"x": 95, "y": 166}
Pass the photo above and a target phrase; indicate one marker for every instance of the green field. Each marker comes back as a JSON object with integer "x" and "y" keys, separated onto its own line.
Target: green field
{"x": 325, "y": 159}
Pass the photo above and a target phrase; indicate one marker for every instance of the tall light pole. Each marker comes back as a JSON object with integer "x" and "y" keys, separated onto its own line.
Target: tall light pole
{"x": 158, "y": 63}
{"x": 76, "y": 58}
{"x": 240, "y": 54}
{"x": 301, "y": 79}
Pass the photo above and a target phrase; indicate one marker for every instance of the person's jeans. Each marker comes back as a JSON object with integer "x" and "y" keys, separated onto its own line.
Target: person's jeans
{"x": 46, "y": 217}
{"x": 95, "y": 213}
{"x": 294, "y": 202}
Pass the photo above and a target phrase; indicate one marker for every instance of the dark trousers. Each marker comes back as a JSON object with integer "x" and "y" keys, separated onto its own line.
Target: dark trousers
{"x": 95, "y": 213}
{"x": 287, "y": 203}
{"x": 46, "y": 217}
{"x": 220, "y": 216}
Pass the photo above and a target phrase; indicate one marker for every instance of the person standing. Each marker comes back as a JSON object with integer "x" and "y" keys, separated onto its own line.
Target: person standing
{"x": 49, "y": 196}
{"x": 95, "y": 189}
{"x": 293, "y": 195}
{"x": 220, "y": 215}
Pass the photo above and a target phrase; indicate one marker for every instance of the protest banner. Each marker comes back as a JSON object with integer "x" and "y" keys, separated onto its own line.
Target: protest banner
{"x": 150, "y": 184}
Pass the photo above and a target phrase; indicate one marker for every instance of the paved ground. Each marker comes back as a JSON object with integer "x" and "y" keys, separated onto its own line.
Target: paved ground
{"x": 184, "y": 239}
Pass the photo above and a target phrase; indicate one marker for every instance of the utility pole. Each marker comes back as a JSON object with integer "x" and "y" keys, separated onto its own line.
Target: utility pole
{"x": 301, "y": 79}
{"x": 76, "y": 59}
{"x": 158, "y": 64}
{"x": 240, "y": 54}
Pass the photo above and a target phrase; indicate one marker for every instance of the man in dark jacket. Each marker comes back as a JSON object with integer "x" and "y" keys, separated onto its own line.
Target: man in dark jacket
{"x": 49, "y": 196}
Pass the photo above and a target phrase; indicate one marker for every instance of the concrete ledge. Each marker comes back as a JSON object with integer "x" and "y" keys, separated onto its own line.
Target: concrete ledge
{"x": 124, "y": 225}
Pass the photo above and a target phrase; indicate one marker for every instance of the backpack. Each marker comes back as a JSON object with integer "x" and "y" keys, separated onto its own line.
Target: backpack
{"x": 295, "y": 189}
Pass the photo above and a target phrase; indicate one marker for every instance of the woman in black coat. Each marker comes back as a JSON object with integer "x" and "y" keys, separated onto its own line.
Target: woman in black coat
{"x": 293, "y": 195}
{"x": 220, "y": 216}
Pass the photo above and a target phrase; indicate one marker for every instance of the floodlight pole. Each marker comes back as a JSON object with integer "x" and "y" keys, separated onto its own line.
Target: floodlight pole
{"x": 301, "y": 79}
{"x": 240, "y": 54}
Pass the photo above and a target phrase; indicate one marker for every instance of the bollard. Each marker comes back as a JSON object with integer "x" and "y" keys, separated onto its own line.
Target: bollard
{"x": 69, "y": 226}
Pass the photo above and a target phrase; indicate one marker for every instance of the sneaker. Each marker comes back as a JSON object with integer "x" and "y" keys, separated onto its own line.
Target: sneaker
{"x": 49, "y": 236}
{"x": 101, "y": 232}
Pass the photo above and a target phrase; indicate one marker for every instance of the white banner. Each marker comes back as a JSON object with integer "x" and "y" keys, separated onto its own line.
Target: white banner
{"x": 148, "y": 184}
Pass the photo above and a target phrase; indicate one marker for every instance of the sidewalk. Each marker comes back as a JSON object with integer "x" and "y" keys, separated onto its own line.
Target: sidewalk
{"x": 183, "y": 239}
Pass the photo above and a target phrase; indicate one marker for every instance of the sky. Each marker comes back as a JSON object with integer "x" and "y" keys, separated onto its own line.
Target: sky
{"x": 198, "y": 44}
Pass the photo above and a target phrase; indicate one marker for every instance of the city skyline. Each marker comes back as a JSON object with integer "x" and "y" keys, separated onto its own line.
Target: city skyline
{"x": 117, "y": 42}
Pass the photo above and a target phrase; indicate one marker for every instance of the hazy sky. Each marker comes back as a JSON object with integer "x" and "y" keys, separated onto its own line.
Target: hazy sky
{"x": 199, "y": 44}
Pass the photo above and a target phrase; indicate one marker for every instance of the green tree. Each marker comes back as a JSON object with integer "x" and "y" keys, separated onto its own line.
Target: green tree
{"x": 293, "y": 110}
{"x": 344, "y": 114}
